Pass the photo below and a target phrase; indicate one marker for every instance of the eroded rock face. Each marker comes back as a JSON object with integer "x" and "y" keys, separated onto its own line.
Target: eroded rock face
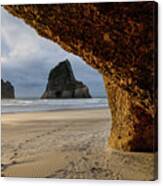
{"x": 7, "y": 90}
{"x": 120, "y": 40}
{"x": 62, "y": 83}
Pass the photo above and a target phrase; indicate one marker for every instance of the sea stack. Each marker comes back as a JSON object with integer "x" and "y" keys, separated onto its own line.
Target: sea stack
{"x": 62, "y": 83}
{"x": 7, "y": 90}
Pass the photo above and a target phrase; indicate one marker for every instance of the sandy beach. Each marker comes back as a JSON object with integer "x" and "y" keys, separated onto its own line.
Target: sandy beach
{"x": 67, "y": 144}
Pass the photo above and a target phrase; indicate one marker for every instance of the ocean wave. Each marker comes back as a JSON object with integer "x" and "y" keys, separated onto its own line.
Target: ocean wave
{"x": 32, "y": 105}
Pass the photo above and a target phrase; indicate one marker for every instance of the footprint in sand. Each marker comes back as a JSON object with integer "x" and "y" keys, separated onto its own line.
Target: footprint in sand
{"x": 97, "y": 163}
{"x": 14, "y": 155}
{"x": 13, "y": 162}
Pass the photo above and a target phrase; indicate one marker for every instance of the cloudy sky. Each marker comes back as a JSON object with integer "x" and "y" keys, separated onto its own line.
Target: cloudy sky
{"x": 26, "y": 59}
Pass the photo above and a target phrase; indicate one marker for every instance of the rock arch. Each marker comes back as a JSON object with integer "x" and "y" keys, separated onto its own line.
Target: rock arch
{"x": 120, "y": 40}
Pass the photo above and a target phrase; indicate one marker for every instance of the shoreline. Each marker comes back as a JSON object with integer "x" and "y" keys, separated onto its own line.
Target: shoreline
{"x": 57, "y": 110}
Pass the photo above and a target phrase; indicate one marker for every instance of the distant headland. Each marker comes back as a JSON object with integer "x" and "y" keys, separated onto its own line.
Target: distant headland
{"x": 7, "y": 90}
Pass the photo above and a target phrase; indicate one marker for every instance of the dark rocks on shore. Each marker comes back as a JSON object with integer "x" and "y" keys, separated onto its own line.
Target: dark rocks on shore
{"x": 62, "y": 83}
{"x": 7, "y": 90}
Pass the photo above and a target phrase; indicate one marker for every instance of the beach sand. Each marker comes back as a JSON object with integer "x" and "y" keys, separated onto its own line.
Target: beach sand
{"x": 67, "y": 144}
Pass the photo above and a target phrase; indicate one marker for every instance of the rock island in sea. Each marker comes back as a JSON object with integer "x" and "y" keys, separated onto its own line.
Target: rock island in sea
{"x": 63, "y": 84}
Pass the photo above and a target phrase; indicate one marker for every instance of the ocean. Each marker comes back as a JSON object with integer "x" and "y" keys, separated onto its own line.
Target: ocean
{"x": 35, "y": 105}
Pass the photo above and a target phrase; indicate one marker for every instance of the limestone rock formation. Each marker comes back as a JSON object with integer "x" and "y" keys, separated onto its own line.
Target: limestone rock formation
{"x": 119, "y": 40}
{"x": 62, "y": 83}
{"x": 7, "y": 90}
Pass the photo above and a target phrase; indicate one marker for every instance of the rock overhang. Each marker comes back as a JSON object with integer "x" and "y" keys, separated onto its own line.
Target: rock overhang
{"x": 119, "y": 40}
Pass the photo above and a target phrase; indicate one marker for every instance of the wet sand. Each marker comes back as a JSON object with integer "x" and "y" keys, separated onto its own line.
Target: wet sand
{"x": 67, "y": 144}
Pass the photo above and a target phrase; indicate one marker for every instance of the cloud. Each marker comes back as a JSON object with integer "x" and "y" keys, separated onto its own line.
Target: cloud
{"x": 27, "y": 59}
